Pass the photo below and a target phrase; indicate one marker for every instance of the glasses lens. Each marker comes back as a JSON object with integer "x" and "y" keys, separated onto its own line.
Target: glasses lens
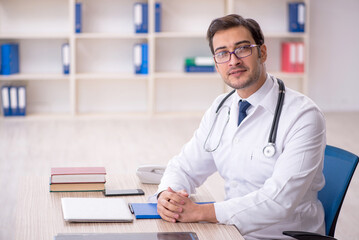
{"x": 222, "y": 57}
{"x": 243, "y": 52}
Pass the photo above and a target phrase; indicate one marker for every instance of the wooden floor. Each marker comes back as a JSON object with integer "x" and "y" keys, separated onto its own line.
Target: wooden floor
{"x": 31, "y": 146}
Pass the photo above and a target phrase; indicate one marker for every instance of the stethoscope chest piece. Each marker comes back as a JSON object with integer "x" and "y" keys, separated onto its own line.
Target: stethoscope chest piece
{"x": 269, "y": 150}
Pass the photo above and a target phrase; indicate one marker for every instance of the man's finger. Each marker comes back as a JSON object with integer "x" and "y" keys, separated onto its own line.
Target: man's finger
{"x": 166, "y": 214}
{"x": 170, "y": 205}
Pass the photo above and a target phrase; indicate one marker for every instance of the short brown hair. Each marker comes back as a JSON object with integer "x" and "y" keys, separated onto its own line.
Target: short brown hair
{"x": 234, "y": 20}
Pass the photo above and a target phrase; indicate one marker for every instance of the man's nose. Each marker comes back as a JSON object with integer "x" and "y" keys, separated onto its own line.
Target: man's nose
{"x": 234, "y": 60}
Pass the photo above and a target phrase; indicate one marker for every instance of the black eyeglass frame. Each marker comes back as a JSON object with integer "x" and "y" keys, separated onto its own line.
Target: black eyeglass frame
{"x": 230, "y": 53}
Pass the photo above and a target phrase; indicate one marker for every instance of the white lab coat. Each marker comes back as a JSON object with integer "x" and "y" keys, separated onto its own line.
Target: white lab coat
{"x": 264, "y": 196}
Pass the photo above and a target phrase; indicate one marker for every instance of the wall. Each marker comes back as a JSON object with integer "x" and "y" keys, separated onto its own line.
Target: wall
{"x": 334, "y": 38}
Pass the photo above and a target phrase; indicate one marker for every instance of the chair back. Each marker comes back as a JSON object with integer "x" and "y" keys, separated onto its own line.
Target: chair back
{"x": 339, "y": 167}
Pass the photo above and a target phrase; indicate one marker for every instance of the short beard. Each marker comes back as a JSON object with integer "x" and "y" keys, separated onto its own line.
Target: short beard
{"x": 250, "y": 81}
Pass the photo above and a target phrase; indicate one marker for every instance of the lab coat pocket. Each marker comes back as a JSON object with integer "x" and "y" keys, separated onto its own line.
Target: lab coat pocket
{"x": 259, "y": 167}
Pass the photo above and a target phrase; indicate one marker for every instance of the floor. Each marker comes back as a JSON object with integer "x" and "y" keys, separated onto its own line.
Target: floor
{"x": 31, "y": 146}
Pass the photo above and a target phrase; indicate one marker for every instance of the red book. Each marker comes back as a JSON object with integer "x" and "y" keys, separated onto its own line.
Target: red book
{"x": 78, "y": 175}
{"x": 289, "y": 58}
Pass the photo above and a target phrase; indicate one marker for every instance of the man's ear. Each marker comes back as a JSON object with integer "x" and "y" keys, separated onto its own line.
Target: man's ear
{"x": 262, "y": 53}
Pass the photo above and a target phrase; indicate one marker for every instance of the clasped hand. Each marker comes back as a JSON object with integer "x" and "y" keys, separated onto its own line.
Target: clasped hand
{"x": 177, "y": 206}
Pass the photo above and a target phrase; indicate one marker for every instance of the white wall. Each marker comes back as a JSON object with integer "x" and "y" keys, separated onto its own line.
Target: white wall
{"x": 334, "y": 51}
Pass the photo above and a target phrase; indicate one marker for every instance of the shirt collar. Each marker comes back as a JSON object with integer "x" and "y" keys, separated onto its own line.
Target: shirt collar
{"x": 260, "y": 96}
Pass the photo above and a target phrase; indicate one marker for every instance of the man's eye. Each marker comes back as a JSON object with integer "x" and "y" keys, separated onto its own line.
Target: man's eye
{"x": 222, "y": 54}
{"x": 244, "y": 48}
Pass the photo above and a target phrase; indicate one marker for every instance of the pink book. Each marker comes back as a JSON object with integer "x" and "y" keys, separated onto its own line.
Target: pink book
{"x": 78, "y": 174}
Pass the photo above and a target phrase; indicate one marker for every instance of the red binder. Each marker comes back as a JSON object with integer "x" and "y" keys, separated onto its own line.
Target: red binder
{"x": 288, "y": 57}
{"x": 300, "y": 57}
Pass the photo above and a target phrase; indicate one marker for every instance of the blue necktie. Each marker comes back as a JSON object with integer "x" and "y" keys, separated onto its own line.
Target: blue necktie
{"x": 243, "y": 105}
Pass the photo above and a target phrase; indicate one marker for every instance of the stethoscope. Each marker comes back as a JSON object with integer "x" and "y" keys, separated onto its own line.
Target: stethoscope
{"x": 269, "y": 150}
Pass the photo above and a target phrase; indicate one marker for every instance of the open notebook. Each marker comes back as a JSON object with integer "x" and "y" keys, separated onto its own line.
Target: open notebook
{"x": 95, "y": 210}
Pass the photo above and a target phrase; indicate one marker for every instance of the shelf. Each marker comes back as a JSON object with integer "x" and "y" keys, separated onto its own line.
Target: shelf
{"x": 34, "y": 36}
{"x": 203, "y": 35}
{"x": 110, "y": 36}
{"x": 34, "y": 77}
{"x": 102, "y": 82}
{"x": 184, "y": 75}
{"x": 110, "y": 76}
{"x": 284, "y": 35}
{"x": 180, "y": 35}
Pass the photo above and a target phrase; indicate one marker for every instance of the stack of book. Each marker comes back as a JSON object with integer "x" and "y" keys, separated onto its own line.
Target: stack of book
{"x": 77, "y": 179}
{"x": 199, "y": 64}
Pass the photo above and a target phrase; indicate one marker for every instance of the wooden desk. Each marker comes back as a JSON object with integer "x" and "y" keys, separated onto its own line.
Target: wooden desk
{"x": 39, "y": 213}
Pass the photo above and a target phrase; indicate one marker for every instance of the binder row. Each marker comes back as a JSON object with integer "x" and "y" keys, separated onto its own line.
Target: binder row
{"x": 10, "y": 58}
{"x": 140, "y": 18}
{"x": 13, "y": 100}
{"x": 293, "y": 57}
{"x": 296, "y": 16}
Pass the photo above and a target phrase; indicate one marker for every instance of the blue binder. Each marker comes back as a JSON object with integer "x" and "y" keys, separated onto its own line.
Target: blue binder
{"x": 144, "y": 65}
{"x": 13, "y": 101}
{"x": 137, "y": 58}
{"x": 21, "y": 95}
{"x": 141, "y": 58}
{"x": 141, "y": 17}
{"x": 66, "y": 58}
{"x": 144, "y": 210}
{"x": 296, "y": 12}
{"x": 148, "y": 210}
{"x": 9, "y": 58}
{"x": 157, "y": 17}
{"x": 5, "y": 100}
{"x": 78, "y": 17}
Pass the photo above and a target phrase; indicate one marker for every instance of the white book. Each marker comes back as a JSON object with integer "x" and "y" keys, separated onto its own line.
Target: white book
{"x": 79, "y": 178}
{"x": 95, "y": 210}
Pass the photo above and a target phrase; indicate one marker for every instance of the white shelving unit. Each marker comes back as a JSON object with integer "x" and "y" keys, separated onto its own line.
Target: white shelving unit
{"x": 102, "y": 79}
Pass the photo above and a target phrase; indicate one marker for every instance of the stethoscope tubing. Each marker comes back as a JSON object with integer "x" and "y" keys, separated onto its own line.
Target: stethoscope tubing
{"x": 274, "y": 127}
{"x": 278, "y": 111}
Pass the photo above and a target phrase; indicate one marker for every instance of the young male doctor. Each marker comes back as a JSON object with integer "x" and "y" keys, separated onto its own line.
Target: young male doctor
{"x": 266, "y": 192}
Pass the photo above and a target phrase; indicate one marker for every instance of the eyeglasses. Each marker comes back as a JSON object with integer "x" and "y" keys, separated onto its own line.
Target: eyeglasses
{"x": 241, "y": 52}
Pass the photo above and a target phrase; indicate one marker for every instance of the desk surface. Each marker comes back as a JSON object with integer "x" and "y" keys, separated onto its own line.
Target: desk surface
{"x": 39, "y": 213}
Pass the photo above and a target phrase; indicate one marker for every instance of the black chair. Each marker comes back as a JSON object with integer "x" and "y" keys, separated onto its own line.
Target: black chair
{"x": 339, "y": 167}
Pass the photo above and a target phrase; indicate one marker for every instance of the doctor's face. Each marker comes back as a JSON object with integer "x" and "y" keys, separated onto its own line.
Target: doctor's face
{"x": 247, "y": 74}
